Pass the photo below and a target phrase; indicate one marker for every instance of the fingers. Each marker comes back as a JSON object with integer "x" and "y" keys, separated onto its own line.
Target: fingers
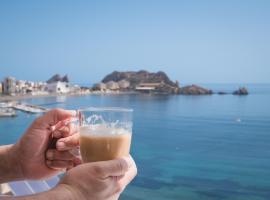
{"x": 65, "y": 131}
{"x": 55, "y": 115}
{"x": 118, "y": 167}
{"x": 61, "y": 160}
{"x": 68, "y": 143}
{"x": 59, "y": 164}
{"x": 53, "y": 154}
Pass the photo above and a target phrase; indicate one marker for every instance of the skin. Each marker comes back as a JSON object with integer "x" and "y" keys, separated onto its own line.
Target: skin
{"x": 30, "y": 158}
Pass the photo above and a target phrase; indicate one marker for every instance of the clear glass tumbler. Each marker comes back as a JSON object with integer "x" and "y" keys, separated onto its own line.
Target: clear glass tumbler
{"x": 105, "y": 133}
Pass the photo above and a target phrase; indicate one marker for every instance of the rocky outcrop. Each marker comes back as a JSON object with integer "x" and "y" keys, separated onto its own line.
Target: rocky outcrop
{"x": 131, "y": 80}
{"x": 158, "y": 83}
{"x": 135, "y": 78}
{"x": 57, "y": 77}
{"x": 241, "y": 91}
{"x": 222, "y": 93}
{"x": 194, "y": 90}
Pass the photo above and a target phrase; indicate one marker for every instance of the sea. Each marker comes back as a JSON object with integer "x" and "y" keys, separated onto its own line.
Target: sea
{"x": 213, "y": 147}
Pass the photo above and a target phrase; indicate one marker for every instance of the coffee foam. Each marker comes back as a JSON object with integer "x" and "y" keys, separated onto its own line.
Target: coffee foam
{"x": 102, "y": 130}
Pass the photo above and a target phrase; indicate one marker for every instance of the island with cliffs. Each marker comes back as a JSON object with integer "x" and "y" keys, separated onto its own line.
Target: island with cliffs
{"x": 155, "y": 83}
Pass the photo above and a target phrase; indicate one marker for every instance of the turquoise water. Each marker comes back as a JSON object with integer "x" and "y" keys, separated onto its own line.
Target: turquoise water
{"x": 187, "y": 147}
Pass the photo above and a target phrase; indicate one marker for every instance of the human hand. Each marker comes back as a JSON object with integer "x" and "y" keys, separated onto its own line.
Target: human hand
{"x": 65, "y": 155}
{"x": 29, "y": 151}
{"x": 103, "y": 180}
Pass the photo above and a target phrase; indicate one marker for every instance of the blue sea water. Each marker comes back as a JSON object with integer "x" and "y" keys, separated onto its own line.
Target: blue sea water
{"x": 186, "y": 147}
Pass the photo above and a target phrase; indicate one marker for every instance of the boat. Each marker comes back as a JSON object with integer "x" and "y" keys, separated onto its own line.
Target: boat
{"x": 7, "y": 112}
{"x": 6, "y": 104}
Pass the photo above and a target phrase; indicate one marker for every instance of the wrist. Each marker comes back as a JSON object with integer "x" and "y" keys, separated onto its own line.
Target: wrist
{"x": 10, "y": 166}
{"x": 15, "y": 162}
{"x": 64, "y": 191}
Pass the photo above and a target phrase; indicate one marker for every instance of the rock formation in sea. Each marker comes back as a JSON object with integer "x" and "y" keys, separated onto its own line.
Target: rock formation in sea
{"x": 136, "y": 78}
{"x": 241, "y": 91}
{"x": 149, "y": 82}
{"x": 194, "y": 90}
{"x": 222, "y": 93}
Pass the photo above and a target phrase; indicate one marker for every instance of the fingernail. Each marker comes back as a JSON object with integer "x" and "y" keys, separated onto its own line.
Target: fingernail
{"x": 49, "y": 154}
{"x": 60, "y": 145}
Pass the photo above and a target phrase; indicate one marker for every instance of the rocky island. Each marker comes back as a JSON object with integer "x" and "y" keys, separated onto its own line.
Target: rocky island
{"x": 241, "y": 91}
{"x": 147, "y": 82}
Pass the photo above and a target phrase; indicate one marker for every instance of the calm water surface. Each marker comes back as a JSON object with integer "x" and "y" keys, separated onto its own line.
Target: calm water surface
{"x": 186, "y": 147}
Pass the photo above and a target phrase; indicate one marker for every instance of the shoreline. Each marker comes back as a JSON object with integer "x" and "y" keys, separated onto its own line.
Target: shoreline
{"x": 4, "y": 98}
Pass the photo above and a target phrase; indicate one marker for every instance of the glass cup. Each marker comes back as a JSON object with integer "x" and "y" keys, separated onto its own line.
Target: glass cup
{"x": 105, "y": 133}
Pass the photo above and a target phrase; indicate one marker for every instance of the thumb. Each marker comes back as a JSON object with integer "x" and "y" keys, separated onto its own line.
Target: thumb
{"x": 118, "y": 167}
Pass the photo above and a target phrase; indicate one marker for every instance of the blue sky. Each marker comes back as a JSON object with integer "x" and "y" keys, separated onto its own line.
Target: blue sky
{"x": 193, "y": 41}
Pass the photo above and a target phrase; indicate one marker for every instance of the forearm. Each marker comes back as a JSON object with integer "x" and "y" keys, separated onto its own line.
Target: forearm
{"x": 9, "y": 168}
{"x": 58, "y": 193}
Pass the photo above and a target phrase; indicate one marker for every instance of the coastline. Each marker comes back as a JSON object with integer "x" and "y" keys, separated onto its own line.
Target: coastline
{"x": 4, "y": 98}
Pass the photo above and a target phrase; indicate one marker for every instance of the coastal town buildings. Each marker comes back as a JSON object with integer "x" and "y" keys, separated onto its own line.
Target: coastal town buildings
{"x": 111, "y": 85}
{"x": 9, "y": 85}
{"x": 56, "y": 84}
{"x": 123, "y": 84}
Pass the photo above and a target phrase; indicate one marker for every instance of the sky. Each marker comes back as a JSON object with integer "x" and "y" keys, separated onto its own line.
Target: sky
{"x": 192, "y": 41}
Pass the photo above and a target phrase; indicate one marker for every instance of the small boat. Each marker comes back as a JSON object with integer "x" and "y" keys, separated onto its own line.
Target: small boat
{"x": 7, "y": 112}
{"x": 6, "y": 104}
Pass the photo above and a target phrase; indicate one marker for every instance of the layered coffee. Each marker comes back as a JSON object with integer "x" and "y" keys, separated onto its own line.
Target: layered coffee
{"x": 102, "y": 143}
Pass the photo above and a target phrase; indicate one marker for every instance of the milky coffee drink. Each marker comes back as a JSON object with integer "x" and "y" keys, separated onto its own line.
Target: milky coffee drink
{"x": 100, "y": 143}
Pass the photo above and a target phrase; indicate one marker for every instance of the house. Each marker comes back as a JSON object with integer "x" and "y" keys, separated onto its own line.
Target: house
{"x": 58, "y": 84}
{"x": 147, "y": 87}
{"x": 124, "y": 84}
{"x": 57, "y": 87}
{"x": 111, "y": 85}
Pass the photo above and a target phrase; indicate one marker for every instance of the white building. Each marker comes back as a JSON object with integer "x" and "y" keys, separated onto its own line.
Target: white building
{"x": 123, "y": 84}
{"x": 111, "y": 85}
{"x": 57, "y": 87}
